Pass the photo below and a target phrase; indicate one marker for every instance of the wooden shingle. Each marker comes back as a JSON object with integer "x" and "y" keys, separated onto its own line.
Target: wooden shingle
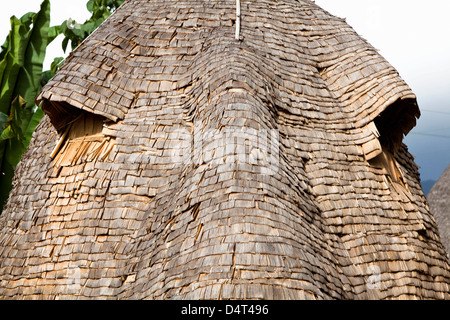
{"x": 222, "y": 168}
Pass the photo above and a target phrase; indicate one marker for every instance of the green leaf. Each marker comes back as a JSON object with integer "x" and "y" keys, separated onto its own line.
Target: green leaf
{"x": 3, "y": 120}
{"x": 7, "y": 134}
{"x": 48, "y": 74}
{"x": 37, "y": 116}
{"x": 6, "y": 176}
{"x": 100, "y": 10}
{"x": 15, "y": 149}
{"x": 56, "y": 64}
{"x": 90, "y": 6}
{"x": 15, "y": 120}
{"x": 12, "y": 62}
{"x": 53, "y": 32}
{"x": 65, "y": 43}
{"x": 21, "y": 62}
{"x": 29, "y": 79}
{"x": 89, "y": 27}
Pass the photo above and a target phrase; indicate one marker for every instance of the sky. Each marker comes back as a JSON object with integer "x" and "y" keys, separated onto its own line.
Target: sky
{"x": 412, "y": 35}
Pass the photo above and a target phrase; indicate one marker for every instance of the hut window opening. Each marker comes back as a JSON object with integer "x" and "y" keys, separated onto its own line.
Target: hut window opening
{"x": 379, "y": 155}
{"x": 388, "y": 131}
{"x": 387, "y": 163}
{"x": 82, "y": 140}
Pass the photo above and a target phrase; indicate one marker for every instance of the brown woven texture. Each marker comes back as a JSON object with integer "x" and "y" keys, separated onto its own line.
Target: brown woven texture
{"x": 178, "y": 162}
{"x": 439, "y": 200}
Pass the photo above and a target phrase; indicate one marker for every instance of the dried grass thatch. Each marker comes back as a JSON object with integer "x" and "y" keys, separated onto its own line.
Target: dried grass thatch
{"x": 439, "y": 200}
{"x": 267, "y": 166}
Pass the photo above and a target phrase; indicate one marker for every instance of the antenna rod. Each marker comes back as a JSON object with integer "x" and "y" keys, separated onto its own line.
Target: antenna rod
{"x": 238, "y": 18}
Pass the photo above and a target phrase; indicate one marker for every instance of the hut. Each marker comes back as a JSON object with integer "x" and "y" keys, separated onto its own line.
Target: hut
{"x": 222, "y": 149}
{"x": 439, "y": 202}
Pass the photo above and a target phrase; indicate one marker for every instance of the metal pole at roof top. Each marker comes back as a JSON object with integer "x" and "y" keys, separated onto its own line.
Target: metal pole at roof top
{"x": 238, "y": 18}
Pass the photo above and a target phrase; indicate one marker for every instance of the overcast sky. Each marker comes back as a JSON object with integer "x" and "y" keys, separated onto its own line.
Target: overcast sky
{"x": 412, "y": 35}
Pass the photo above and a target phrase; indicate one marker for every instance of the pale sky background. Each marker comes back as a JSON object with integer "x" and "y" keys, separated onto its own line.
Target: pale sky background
{"x": 414, "y": 36}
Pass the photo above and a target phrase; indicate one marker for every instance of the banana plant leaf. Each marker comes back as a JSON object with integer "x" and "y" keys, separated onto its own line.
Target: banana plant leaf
{"x": 21, "y": 63}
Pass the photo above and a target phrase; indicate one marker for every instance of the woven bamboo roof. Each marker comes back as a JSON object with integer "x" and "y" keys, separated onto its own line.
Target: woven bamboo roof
{"x": 439, "y": 201}
{"x": 182, "y": 157}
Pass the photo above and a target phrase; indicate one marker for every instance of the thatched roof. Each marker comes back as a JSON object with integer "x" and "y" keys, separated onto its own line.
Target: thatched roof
{"x": 439, "y": 201}
{"x": 176, "y": 161}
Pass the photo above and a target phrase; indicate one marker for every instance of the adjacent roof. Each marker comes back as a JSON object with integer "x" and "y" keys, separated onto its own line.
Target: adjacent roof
{"x": 176, "y": 162}
{"x": 439, "y": 201}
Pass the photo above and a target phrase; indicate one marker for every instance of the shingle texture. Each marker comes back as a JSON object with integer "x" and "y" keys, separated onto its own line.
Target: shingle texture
{"x": 223, "y": 168}
{"x": 439, "y": 200}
